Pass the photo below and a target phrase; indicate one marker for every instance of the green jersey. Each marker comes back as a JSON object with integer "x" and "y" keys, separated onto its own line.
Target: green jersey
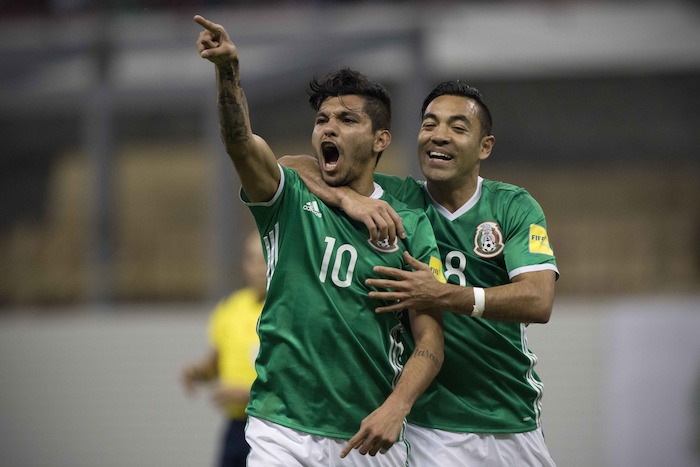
{"x": 487, "y": 383}
{"x": 326, "y": 359}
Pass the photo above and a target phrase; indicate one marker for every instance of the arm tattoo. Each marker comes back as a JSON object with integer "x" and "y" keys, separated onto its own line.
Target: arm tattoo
{"x": 429, "y": 355}
{"x": 232, "y": 104}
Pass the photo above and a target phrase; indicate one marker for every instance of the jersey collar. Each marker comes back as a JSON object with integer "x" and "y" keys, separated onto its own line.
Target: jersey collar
{"x": 471, "y": 202}
{"x": 378, "y": 191}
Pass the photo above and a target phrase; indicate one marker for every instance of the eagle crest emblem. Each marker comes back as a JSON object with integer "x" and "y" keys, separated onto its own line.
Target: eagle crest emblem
{"x": 488, "y": 241}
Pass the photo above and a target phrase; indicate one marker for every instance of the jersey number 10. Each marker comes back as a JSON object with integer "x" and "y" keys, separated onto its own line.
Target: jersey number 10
{"x": 340, "y": 254}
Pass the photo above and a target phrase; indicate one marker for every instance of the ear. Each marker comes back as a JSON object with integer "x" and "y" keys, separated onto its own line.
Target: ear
{"x": 487, "y": 143}
{"x": 382, "y": 140}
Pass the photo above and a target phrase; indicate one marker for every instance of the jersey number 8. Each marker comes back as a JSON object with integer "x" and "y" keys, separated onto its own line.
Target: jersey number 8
{"x": 452, "y": 269}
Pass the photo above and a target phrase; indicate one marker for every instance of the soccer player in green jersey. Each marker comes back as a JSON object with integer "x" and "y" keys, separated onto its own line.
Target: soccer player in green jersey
{"x": 484, "y": 407}
{"x": 333, "y": 381}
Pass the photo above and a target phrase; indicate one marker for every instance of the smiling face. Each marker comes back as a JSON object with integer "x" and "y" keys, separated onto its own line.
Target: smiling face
{"x": 345, "y": 145}
{"x": 450, "y": 143}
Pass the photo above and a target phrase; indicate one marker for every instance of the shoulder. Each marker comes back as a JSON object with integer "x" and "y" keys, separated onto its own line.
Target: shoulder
{"x": 512, "y": 207}
{"x": 290, "y": 175}
{"x": 392, "y": 182}
{"x": 506, "y": 193}
{"x": 408, "y": 190}
{"x": 502, "y": 189}
{"x": 401, "y": 208}
{"x": 290, "y": 181}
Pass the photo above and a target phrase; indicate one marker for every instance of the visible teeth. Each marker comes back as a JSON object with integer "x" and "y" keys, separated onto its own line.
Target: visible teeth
{"x": 439, "y": 155}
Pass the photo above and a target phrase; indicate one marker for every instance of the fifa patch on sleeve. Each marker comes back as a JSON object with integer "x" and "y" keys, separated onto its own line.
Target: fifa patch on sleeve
{"x": 436, "y": 269}
{"x": 539, "y": 241}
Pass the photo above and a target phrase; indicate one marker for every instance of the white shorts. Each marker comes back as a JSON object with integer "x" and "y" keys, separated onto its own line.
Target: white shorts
{"x": 273, "y": 445}
{"x": 447, "y": 448}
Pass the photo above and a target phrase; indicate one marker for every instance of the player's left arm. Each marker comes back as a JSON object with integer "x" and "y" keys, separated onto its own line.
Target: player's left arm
{"x": 380, "y": 430}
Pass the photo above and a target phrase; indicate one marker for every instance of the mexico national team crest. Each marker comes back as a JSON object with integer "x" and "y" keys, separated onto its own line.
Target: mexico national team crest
{"x": 488, "y": 241}
{"x": 384, "y": 246}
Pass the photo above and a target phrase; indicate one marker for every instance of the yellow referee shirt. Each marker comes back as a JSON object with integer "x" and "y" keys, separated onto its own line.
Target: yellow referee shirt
{"x": 232, "y": 332}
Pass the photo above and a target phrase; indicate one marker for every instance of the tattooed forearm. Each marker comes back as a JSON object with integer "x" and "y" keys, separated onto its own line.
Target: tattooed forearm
{"x": 233, "y": 108}
{"x": 429, "y": 355}
{"x": 229, "y": 72}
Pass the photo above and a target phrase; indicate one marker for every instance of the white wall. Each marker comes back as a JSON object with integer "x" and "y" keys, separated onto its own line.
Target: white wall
{"x": 621, "y": 381}
{"x": 100, "y": 388}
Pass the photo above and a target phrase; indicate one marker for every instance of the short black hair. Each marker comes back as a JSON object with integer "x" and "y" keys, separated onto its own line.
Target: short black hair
{"x": 458, "y": 88}
{"x": 344, "y": 82}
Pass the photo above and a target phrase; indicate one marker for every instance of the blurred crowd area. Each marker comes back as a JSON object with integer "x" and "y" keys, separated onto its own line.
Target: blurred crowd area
{"x": 42, "y": 7}
{"x": 59, "y": 7}
{"x": 51, "y": 7}
{"x": 114, "y": 186}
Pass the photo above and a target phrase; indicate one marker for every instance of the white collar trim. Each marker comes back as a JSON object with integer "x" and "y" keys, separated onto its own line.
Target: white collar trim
{"x": 378, "y": 191}
{"x": 471, "y": 202}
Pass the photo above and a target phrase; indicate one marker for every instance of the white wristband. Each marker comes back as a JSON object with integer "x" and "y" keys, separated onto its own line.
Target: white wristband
{"x": 479, "y": 302}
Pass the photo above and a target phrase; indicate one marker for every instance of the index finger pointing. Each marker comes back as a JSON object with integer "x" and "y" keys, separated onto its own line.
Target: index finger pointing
{"x": 349, "y": 446}
{"x": 206, "y": 24}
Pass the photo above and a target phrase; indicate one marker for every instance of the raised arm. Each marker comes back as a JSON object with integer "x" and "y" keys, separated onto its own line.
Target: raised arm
{"x": 380, "y": 218}
{"x": 255, "y": 162}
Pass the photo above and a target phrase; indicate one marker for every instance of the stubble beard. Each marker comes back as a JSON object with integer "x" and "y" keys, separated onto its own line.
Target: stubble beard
{"x": 339, "y": 180}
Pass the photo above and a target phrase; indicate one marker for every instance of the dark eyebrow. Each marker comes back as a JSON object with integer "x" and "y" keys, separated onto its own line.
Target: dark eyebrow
{"x": 349, "y": 113}
{"x": 341, "y": 114}
{"x": 452, "y": 119}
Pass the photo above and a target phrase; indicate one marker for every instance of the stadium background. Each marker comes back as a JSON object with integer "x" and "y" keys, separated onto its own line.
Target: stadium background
{"x": 120, "y": 224}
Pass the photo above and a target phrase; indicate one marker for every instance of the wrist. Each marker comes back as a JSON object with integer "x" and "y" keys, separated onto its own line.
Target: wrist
{"x": 344, "y": 197}
{"x": 400, "y": 404}
{"x": 228, "y": 71}
{"x": 479, "y": 302}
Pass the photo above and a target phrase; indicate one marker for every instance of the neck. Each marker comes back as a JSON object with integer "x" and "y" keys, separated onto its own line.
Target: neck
{"x": 452, "y": 196}
{"x": 363, "y": 185}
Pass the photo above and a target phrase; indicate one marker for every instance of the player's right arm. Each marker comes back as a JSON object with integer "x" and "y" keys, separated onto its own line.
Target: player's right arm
{"x": 379, "y": 217}
{"x": 255, "y": 162}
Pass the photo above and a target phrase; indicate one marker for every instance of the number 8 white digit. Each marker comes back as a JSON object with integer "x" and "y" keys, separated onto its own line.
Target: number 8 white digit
{"x": 450, "y": 270}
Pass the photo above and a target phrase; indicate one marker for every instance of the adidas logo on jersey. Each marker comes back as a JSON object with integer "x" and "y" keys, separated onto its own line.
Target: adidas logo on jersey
{"x": 312, "y": 206}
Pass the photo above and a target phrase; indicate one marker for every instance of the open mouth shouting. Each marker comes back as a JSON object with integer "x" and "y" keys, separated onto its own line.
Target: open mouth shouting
{"x": 331, "y": 154}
